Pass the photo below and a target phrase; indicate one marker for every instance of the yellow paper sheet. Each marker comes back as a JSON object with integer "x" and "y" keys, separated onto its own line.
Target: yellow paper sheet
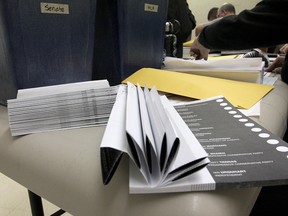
{"x": 220, "y": 57}
{"x": 240, "y": 94}
{"x": 188, "y": 43}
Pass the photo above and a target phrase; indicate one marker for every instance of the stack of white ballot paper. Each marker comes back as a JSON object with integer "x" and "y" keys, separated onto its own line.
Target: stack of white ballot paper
{"x": 61, "y": 107}
{"x": 240, "y": 69}
{"x": 148, "y": 128}
{"x": 193, "y": 146}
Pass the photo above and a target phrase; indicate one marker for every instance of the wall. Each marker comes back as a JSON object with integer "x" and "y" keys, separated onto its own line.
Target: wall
{"x": 200, "y": 8}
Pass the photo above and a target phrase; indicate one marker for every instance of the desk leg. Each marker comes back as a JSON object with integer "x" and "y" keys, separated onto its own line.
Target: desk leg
{"x": 35, "y": 204}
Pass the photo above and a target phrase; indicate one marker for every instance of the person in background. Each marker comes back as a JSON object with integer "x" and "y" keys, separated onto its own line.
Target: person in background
{"x": 212, "y": 14}
{"x": 225, "y": 9}
{"x": 249, "y": 29}
{"x": 179, "y": 10}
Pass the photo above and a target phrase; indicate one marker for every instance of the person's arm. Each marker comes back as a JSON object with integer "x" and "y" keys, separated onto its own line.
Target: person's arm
{"x": 284, "y": 48}
{"x": 276, "y": 66}
{"x": 200, "y": 27}
{"x": 198, "y": 51}
{"x": 259, "y": 27}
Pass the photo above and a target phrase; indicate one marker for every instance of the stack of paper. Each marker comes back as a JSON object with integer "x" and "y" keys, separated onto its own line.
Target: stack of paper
{"x": 61, "y": 107}
{"x": 241, "y": 69}
{"x": 196, "y": 146}
{"x": 148, "y": 128}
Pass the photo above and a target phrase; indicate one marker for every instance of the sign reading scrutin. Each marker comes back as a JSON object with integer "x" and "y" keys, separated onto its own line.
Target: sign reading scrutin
{"x": 150, "y": 7}
{"x": 54, "y": 8}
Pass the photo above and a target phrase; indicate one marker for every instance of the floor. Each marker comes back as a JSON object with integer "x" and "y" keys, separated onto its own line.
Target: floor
{"x": 14, "y": 200}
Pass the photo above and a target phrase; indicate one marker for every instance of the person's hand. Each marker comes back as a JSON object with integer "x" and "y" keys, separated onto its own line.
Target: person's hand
{"x": 198, "y": 51}
{"x": 284, "y": 48}
{"x": 275, "y": 67}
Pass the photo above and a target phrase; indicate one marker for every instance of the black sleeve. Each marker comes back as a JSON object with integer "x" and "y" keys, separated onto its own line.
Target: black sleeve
{"x": 284, "y": 72}
{"x": 263, "y": 26}
{"x": 179, "y": 10}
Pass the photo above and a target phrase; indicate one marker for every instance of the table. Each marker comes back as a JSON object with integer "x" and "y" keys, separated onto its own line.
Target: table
{"x": 64, "y": 168}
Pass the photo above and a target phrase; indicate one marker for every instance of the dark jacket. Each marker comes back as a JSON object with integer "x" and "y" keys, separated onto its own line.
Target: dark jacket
{"x": 179, "y": 10}
{"x": 263, "y": 26}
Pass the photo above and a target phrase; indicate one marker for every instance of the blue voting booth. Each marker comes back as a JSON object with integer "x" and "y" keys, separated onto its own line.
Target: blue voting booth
{"x": 45, "y": 43}
{"x": 129, "y": 36}
{"x": 64, "y": 41}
